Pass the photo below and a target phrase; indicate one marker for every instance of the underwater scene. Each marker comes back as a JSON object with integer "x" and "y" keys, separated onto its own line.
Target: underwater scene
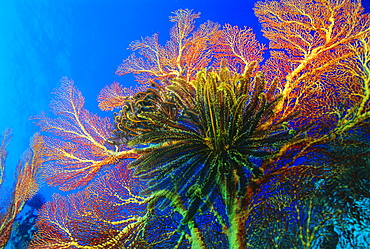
{"x": 185, "y": 124}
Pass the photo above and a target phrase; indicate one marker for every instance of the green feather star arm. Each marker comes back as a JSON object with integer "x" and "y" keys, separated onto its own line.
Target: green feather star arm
{"x": 204, "y": 134}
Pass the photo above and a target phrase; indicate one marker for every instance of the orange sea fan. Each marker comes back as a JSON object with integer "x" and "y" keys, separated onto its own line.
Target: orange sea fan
{"x": 81, "y": 148}
{"x": 239, "y": 47}
{"x": 313, "y": 37}
{"x": 186, "y": 52}
{"x": 115, "y": 96}
{"x": 107, "y": 214}
{"x": 26, "y": 185}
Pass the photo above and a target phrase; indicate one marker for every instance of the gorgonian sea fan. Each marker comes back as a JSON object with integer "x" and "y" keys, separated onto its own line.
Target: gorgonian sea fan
{"x": 210, "y": 143}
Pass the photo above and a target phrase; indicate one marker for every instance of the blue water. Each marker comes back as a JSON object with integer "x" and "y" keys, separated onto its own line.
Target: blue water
{"x": 44, "y": 40}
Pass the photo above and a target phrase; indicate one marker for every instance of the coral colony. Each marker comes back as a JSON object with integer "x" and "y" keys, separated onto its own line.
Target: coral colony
{"x": 215, "y": 147}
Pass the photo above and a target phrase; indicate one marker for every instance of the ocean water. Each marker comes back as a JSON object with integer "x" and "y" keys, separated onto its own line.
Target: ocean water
{"x": 42, "y": 41}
